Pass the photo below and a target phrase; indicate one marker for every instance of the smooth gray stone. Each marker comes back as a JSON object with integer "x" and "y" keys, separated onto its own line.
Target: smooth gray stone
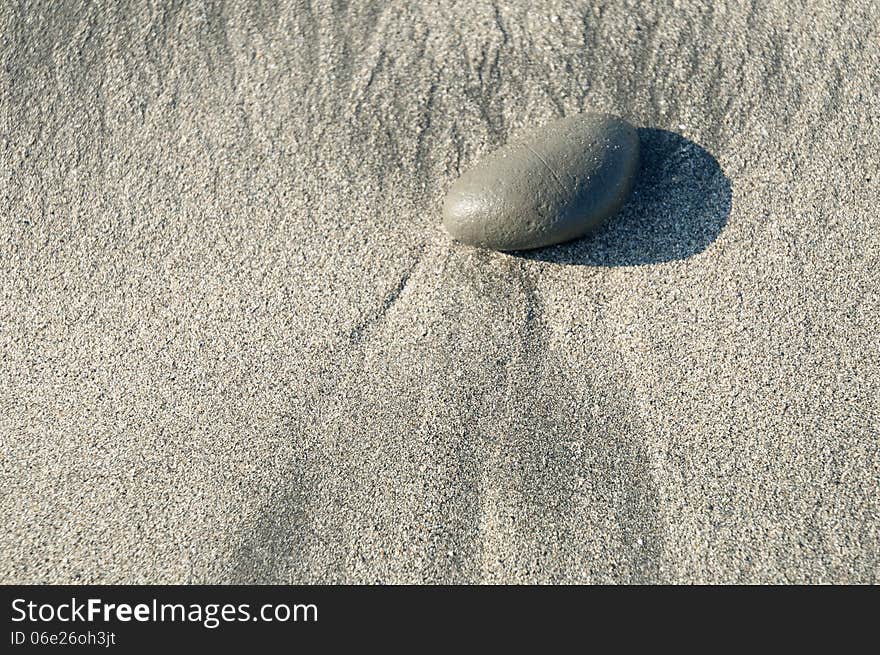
{"x": 554, "y": 184}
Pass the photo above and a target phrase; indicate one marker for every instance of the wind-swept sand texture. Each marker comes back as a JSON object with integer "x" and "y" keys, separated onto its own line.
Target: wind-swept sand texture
{"x": 236, "y": 346}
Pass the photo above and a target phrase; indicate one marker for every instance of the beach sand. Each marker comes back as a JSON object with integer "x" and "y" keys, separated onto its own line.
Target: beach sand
{"x": 237, "y": 346}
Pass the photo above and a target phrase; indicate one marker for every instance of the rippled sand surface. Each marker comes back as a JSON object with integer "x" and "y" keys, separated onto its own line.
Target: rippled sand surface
{"x": 236, "y": 346}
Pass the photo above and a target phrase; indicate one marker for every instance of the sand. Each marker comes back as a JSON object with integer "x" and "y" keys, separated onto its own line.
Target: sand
{"x": 237, "y": 346}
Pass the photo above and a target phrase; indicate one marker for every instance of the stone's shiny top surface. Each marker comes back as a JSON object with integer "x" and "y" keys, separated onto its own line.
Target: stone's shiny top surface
{"x": 553, "y": 184}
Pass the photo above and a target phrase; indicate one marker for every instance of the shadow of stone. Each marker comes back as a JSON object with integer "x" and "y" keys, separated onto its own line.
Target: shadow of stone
{"x": 679, "y": 205}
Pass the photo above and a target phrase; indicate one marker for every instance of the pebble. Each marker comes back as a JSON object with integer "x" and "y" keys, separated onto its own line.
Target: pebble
{"x": 552, "y": 185}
